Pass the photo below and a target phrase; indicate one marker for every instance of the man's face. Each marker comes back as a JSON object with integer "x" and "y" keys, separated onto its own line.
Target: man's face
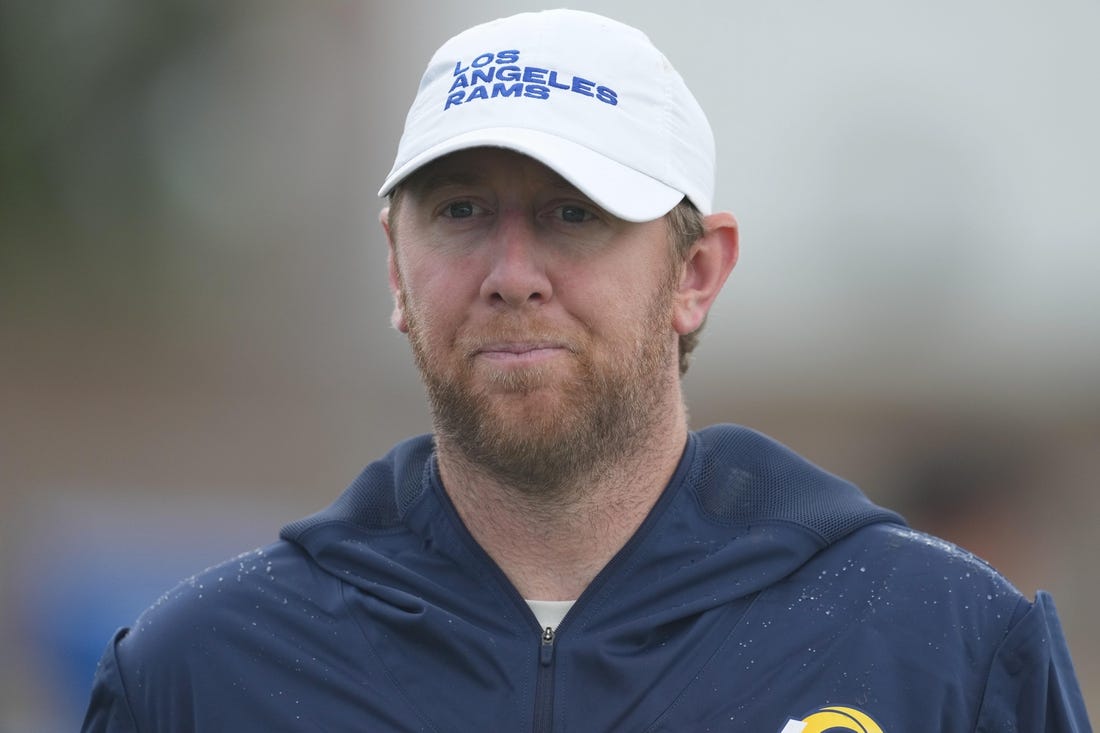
{"x": 542, "y": 325}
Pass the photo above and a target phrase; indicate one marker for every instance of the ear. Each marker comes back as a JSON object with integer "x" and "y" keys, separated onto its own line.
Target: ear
{"x": 704, "y": 272}
{"x": 397, "y": 318}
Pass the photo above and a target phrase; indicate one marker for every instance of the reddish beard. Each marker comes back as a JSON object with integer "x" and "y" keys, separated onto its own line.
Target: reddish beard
{"x": 537, "y": 429}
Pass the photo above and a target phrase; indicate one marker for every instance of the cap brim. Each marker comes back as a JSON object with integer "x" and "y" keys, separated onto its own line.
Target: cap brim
{"x": 619, "y": 189}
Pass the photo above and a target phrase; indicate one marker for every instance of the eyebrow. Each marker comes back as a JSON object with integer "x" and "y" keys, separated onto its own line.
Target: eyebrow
{"x": 441, "y": 179}
{"x": 431, "y": 180}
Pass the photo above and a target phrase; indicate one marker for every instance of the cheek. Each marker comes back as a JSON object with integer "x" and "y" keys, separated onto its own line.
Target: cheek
{"x": 619, "y": 321}
{"x": 435, "y": 303}
{"x": 631, "y": 298}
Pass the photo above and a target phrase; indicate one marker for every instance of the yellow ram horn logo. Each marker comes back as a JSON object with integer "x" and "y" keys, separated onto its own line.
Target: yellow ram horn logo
{"x": 833, "y": 719}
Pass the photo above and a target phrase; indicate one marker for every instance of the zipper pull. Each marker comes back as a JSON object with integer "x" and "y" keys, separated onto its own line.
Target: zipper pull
{"x": 546, "y": 652}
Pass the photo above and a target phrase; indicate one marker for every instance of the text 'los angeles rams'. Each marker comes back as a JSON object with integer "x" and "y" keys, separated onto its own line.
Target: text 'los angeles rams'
{"x": 499, "y": 74}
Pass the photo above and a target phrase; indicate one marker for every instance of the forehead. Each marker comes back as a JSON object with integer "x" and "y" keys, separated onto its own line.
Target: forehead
{"x": 483, "y": 166}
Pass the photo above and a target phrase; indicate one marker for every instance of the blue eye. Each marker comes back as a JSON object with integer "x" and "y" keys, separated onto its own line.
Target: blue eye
{"x": 459, "y": 210}
{"x": 575, "y": 214}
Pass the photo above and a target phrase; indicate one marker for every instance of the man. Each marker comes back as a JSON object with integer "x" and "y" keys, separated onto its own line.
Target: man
{"x": 562, "y": 553}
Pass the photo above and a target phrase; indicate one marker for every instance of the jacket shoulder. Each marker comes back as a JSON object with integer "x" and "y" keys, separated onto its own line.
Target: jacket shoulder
{"x": 206, "y": 637}
{"x": 920, "y": 566}
{"x": 228, "y": 590}
{"x": 741, "y": 476}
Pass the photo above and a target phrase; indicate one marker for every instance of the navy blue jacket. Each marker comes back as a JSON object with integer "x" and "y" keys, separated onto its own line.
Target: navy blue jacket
{"x": 761, "y": 595}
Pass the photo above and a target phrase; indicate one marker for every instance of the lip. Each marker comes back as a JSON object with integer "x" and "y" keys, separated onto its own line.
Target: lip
{"x": 520, "y": 353}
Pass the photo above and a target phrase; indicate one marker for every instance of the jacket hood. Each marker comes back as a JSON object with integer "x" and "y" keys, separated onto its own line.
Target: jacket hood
{"x": 765, "y": 510}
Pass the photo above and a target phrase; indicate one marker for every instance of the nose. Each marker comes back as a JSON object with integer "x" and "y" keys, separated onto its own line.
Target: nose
{"x": 516, "y": 273}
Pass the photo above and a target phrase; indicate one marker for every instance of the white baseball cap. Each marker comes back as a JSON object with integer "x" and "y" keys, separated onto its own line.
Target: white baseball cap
{"x": 585, "y": 95}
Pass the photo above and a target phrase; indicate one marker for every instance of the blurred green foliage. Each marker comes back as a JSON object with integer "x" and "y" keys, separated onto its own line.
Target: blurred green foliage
{"x": 81, "y": 205}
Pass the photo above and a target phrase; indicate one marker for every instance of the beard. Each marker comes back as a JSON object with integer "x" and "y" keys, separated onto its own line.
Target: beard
{"x": 541, "y": 432}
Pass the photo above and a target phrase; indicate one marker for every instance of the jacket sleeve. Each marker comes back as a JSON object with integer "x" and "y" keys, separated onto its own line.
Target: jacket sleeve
{"x": 109, "y": 710}
{"x": 1031, "y": 686}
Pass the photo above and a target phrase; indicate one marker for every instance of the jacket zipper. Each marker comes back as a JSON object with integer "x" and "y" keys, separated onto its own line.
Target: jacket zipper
{"x": 544, "y": 685}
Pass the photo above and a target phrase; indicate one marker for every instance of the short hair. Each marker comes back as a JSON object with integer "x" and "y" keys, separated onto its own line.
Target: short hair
{"x": 685, "y": 228}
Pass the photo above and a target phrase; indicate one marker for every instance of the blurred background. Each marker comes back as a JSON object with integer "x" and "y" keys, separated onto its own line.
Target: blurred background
{"x": 194, "y": 337}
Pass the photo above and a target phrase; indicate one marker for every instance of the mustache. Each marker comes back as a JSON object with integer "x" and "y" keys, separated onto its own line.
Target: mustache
{"x": 510, "y": 333}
